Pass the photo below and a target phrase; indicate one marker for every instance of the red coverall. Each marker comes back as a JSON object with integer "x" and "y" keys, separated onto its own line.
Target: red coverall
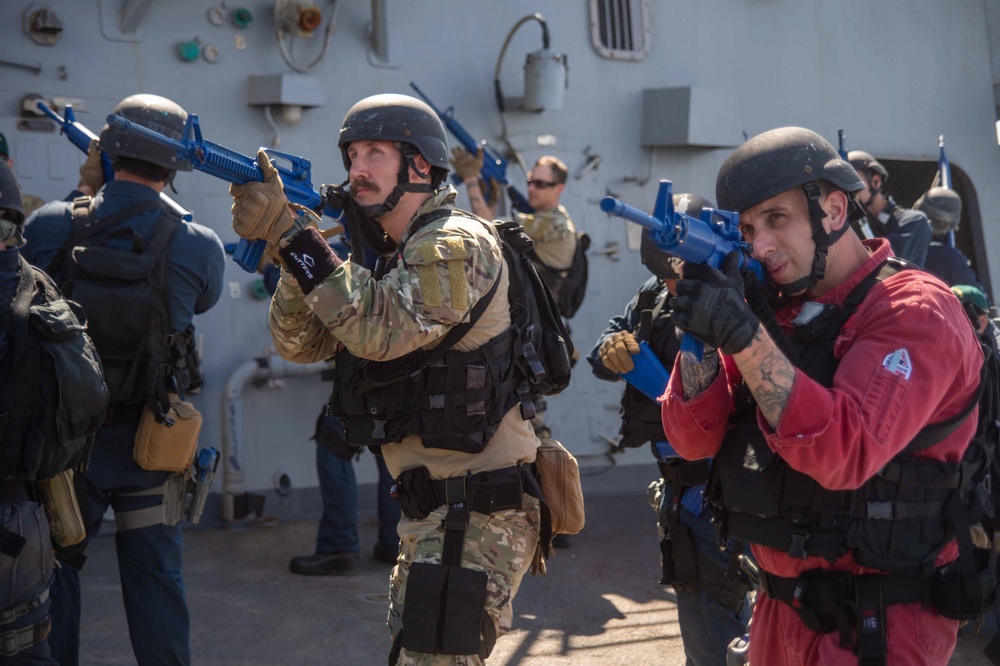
{"x": 841, "y": 436}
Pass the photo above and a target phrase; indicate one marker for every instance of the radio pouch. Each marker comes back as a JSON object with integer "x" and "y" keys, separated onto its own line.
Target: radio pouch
{"x": 559, "y": 477}
{"x": 444, "y": 609}
{"x": 165, "y": 446}
{"x": 58, "y": 496}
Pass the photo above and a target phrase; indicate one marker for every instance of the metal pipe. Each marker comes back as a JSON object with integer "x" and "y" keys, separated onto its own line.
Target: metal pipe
{"x": 262, "y": 369}
{"x": 380, "y": 30}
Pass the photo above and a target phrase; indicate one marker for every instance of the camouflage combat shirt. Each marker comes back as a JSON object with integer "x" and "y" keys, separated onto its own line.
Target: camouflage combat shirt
{"x": 444, "y": 269}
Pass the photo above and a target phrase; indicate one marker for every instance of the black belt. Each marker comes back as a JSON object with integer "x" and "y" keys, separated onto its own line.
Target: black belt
{"x": 121, "y": 412}
{"x": 486, "y": 492}
{"x": 796, "y": 592}
{"x": 16, "y": 491}
{"x": 684, "y": 473}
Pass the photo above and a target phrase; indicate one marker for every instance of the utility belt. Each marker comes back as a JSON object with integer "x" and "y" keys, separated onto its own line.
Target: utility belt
{"x": 444, "y": 611}
{"x": 123, "y": 412}
{"x": 13, "y": 641}
{"x": 16, "y": 491}
{"x": 828, "y": 601}
{"x": 684, "y": 473}
{"x": 485, "y": 492}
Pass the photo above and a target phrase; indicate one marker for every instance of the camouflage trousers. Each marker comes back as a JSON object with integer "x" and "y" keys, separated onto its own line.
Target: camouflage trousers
{"x": 501, "y": 544}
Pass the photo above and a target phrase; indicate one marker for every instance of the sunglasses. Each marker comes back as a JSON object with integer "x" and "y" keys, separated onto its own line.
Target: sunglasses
{"x": 541, "y": 184}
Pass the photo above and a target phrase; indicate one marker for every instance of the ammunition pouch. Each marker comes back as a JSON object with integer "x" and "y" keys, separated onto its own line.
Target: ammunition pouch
{"x": 62, "y": 508}
{"x": 444, "y": 610}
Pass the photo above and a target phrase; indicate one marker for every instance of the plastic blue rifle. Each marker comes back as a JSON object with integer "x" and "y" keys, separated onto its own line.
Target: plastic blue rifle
{"x": 944, "y": 174}
{"x": 80, "y": 136}
{"x": 494, "y": 164}
{"x": 200, "y": 483}
{"x": 234, "y": 167}
{"x": 700, "y": 241}
{"x": 648, "y": 376}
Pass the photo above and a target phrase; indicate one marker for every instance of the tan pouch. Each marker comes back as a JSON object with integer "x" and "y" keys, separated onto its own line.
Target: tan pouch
{"x": 559, "y": 477}
{"x": 58, "y": 496}
{"x": 162, "y": 448}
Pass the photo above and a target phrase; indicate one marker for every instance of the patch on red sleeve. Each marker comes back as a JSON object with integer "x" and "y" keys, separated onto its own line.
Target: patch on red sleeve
{"x": 898, "y": 363}
{"x": 885, "y": 395}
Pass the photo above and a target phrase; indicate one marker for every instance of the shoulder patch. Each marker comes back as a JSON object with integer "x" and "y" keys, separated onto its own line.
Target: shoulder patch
{"x": 898, "y": 363}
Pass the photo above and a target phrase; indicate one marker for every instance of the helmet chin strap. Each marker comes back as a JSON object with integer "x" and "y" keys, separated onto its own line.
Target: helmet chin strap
{"x": 403, "y": 185}
{"x": 821, "y": 238}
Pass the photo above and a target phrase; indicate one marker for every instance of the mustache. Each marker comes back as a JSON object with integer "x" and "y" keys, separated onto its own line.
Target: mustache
{"x": 365, "y": 183}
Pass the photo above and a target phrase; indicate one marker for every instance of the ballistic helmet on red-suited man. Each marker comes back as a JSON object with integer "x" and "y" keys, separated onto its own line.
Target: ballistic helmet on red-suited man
{"x": 782, "y": 159}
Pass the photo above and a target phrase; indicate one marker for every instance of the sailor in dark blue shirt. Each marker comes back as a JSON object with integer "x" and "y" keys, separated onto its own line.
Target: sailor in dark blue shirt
{"x": 184, "y": 278}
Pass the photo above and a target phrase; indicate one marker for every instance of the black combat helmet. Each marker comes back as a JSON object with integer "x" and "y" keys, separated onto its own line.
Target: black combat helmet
{"x": 10, "y": 196}
{"x": 943, "y": 207}
{"x": 152, "y": 112}
{"x": 779, "y": 160}
{"x": 864, "y": 161}
{"x": 413, "y": 126}
{"x": 396, "y": 118}
{"x": 663, "y": 264}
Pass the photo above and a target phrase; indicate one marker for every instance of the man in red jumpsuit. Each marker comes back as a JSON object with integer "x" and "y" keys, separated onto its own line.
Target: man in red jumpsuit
{"x": 823, "y": 413}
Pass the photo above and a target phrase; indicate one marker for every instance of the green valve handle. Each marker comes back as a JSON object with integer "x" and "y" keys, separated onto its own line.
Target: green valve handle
{"x": 188, "y": 51}
{"x": 242, "y": 17}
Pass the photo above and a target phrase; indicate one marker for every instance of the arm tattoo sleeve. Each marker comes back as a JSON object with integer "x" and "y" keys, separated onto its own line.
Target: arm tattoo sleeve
{"x": 698, "y": 376}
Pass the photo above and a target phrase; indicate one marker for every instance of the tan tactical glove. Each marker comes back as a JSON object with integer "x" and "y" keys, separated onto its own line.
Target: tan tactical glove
{"x": 91, "y": 173}
{"x": 617, "y": 351}
{"x": 465, "y": 164}
{"x": 261, "y": 210}
{"x": 495, "y": 189}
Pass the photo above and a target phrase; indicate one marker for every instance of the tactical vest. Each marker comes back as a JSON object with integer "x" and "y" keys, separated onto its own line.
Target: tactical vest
{"x": 641, "y": 418}
{"x": 898, "y": 521}
{"x": 456, "y": 399}
{"x": 124, "y": 293}
{"x": 54, "y": 397}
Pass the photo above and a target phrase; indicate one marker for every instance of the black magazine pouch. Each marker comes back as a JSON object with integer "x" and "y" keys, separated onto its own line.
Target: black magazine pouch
{"x": 443, "y": 609}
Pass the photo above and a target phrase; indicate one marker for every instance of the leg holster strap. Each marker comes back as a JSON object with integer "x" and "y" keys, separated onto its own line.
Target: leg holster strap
{"x": 444, "y": 611}
{"x": 15, "y": 640}
{"x": 168, "y": 512}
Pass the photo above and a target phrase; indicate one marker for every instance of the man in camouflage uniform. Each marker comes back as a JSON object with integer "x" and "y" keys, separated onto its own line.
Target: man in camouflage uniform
{"x": 550, "y": 226}
{"x": 395, "y": 151}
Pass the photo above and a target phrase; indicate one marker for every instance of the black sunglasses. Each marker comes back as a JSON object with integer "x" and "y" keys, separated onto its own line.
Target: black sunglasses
{"x": 541, "y": 184}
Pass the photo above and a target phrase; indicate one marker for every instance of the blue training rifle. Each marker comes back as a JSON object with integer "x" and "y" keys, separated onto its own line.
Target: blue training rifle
{"x": 80, "y": 136}
{"x": 701, "y": 241}
{"x": 944, "y": 175}
{"x": 234, "y": 167}
{"x": 494, "y": 164}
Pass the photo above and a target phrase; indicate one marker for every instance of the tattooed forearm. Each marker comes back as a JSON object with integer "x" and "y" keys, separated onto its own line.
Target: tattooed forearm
{"x": 698, "y": 376}
{"x": 770, "y": 376}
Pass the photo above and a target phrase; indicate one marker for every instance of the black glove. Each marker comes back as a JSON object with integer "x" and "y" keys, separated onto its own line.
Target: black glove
{"x": 710, "y": 306}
